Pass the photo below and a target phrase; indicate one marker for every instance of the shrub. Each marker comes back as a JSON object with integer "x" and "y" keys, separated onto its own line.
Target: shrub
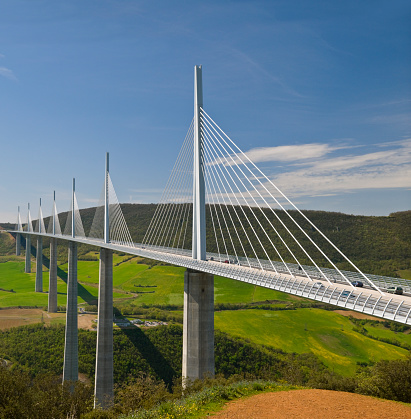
{"x": 141, "y": 392}
{"x": 388, "y": 380}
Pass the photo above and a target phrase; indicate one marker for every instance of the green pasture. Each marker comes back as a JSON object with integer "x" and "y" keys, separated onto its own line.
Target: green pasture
{"x": 161, "y": 285}
{"x": 328, "y": 335}
{"x": 157, "y": 285}
{"x": 12, "y": 276}
{"x": 167, "y": 282}
{"x": 381, "y": 332}
{"x": 405, "y": 273}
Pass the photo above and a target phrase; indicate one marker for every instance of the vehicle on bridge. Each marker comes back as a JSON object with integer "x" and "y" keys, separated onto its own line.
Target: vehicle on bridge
{"x": 357, "y": 283}
{"x": 395, "y": 290}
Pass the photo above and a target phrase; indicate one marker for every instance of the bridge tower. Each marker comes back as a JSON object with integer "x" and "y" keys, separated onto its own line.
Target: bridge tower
{"x": 70, "y": 368}
{"x": 18, "y": 236}
{"x": 198, "y": 329}
{"x": 27, "y": 267}
{"x": 39, "y": 256}
{"x": 104, "y": 381}
{"x": 52, "y": 300}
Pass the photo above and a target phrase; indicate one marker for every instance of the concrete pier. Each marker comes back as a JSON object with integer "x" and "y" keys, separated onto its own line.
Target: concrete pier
{"x": 198, "y": 329}
{"x": 103, "y": 389}
{"x": 52, "y": 306}
{"x": 18, "y": 244}
{"x": 27, "y": 267}
{"x": 70, "y": 368}
{"x": 39, "y": 265}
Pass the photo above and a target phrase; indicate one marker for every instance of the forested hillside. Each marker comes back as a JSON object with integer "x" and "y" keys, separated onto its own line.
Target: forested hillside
{"x": 147, "y": 367}
{"x": 380, "y": 245}
{"x": 38, "y": 350}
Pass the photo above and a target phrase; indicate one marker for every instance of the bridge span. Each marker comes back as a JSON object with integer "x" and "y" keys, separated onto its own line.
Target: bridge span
{"x": 367, "y": 300}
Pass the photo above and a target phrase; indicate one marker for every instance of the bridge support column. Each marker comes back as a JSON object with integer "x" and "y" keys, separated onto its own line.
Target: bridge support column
{"x": 39, "y": 265}
{"x": 18, "y": 244}
{"x": 198, "y": 329}
{"x": 27, "y": 267}
{"x": 52, "y": 307}
{"x": 70, "y": 368}
{"x": 103, "y": 390}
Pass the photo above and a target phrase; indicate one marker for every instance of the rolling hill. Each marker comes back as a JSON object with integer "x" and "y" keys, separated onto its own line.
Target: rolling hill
{"x": 378, "y": 245}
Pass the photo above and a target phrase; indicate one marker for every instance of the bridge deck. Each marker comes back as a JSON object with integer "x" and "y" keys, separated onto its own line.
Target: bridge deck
{"x": 340, "y": 294}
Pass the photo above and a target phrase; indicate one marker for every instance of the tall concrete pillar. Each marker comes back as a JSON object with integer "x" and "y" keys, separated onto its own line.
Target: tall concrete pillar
{"x": 198, "y": 329}
{"x": 52, "y": 308}
{"x": 70, "y": 368}
{"x": 27, "y": 267}
{"x": 39, "y": 265}
{"x": 18, "y": 244}
{"x": 199, "y": 219}
{"x": 103, "y": 390}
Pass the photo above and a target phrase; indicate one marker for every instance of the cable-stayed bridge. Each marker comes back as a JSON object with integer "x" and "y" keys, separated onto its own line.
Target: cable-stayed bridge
{"x": 219, "y": 215}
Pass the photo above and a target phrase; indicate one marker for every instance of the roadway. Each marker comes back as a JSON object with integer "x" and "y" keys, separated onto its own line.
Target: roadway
{"x": 338, "y": 291}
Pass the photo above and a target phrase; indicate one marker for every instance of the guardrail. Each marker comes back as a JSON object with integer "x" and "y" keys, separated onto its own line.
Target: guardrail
{"x": 363, "y": 300}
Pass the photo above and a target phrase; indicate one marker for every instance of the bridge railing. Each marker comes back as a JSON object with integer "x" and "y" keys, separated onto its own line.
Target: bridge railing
{"x": 381, "y": 281}
{"x": 358, "y": 299}
{"x": 362, "y": 300}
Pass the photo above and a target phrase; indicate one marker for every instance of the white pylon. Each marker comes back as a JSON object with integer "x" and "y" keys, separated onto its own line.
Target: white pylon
{"x": 199, "y": 234}
{"x": 106, "y": 204}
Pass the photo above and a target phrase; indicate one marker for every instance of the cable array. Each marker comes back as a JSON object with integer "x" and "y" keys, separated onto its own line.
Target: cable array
{"x": 78, "y": 224}
{"x": 18, "y": 226}
{"x": 251, "y": 224}
{"x": 171, "y": 225}
{"x": 55, "y": 215}
{"x": 40, "y": 222}
{"x": 119, "y": 232}
{"x": 29, "y": 223}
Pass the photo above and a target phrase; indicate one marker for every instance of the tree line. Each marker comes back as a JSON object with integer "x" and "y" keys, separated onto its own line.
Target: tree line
{"x": 378, "y": 245}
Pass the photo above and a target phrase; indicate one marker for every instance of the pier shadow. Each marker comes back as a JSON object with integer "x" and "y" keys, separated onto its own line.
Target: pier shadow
{"x": 151, "y": 354}
{"x": 81, "y": 291}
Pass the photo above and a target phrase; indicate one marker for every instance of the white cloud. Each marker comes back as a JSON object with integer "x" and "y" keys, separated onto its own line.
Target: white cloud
{"x": 290, "y": 153}
{"x": 376, "y": 170}
{"x": 5, "y": 72}
{"x": 387, "y": 168}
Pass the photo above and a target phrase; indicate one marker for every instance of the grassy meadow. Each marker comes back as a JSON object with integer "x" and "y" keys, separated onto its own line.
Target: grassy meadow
{"x": 132, "y": 280}
{"x": 326, "y": 334}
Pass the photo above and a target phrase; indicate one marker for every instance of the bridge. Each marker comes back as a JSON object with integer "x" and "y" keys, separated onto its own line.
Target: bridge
{"x": 219, "y": 215}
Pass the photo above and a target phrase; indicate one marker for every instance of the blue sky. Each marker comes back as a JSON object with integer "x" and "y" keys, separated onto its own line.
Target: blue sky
{"x": 316, "y": 92}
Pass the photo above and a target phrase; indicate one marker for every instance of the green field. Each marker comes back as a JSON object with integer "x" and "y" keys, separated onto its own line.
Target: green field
{"x": 405, "y": 273}
{"x": 326, "y": 334}
{"x": 13, "y": 277}
{"x": 380, "y": 332}
{"x": 157, "y": 285}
